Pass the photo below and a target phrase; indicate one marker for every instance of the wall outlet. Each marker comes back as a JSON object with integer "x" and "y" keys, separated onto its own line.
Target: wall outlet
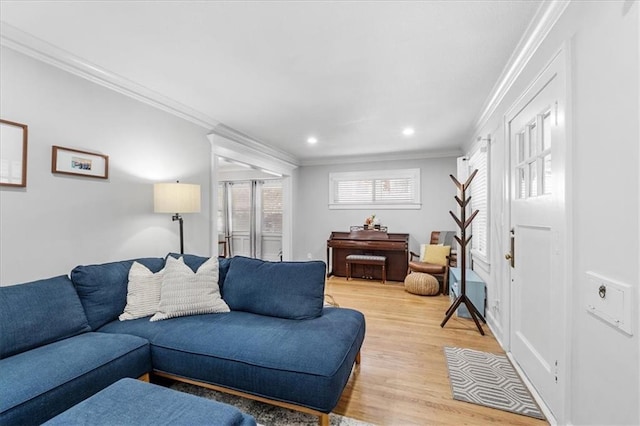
{"x": 309, "y": 256}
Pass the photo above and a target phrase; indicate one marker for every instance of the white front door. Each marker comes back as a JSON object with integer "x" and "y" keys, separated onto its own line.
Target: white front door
{"x": 536, "y": 138}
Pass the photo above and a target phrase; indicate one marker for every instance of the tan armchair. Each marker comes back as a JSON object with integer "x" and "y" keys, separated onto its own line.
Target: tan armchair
{"x": 437, "y": 270}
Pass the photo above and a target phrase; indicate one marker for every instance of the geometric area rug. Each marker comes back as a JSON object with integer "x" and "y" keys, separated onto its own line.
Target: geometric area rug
{"x": 266, "y": 414}
{"x": 488, "y": 379}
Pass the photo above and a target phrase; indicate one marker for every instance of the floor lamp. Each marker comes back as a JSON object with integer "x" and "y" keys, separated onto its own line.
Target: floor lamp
{"x": 176, "y": 198}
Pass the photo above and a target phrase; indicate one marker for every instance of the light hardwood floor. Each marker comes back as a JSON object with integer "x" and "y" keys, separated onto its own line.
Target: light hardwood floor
{"x": 402, "y": 379}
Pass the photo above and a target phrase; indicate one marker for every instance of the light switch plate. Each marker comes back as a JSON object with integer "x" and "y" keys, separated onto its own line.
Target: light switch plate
{"x": 615, "y": 307}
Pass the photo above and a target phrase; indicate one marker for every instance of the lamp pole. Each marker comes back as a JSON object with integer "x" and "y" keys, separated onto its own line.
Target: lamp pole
{"x": 179, "y": 218}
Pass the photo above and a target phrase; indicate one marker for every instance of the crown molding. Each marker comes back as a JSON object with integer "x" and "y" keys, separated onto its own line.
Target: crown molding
{"x": 34, "y": 47}
{"x": 254, "y": 144}
{"x": 542, "y": 23}
{"x": 25, "y": 43}
{"x": 235, "y": 151}
{"x": 353, "y": 159}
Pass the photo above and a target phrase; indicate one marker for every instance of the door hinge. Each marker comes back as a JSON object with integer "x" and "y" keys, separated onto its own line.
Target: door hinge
{"x": 556, "y": 372}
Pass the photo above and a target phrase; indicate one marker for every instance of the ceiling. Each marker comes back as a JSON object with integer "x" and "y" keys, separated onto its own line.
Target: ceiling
{"x": 352, "y": 74}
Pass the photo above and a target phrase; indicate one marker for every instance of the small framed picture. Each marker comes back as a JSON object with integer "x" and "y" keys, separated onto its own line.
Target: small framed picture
{"x": 69, "y": 161}
{"x": 13, "y": 154}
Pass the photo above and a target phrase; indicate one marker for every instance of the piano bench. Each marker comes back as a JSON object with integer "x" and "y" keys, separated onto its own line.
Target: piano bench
{"x": 363, "y": 259}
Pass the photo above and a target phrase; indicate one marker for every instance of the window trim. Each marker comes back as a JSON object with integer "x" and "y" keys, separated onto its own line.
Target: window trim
{"x": 481, "y": 153}
{"x": 413, "y": 174}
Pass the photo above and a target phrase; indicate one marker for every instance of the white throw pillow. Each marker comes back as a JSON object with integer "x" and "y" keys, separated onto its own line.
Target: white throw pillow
{"x": 187, "y": 293}
{"x": 143, "y": 292}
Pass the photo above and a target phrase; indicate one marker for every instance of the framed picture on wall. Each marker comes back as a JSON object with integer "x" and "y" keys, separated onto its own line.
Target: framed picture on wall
{"x": 69, "y": 161}
{"x": 13, "y": 154}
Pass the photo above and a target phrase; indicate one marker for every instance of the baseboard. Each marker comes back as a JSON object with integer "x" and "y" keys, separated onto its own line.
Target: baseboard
{"x": 496, "y": 329}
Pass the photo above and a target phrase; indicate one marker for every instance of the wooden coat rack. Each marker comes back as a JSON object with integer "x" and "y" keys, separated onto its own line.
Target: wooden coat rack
{"x": 463, "y": 241}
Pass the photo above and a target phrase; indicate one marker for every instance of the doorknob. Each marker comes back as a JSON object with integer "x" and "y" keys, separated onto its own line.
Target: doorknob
{"x": 509, "y": 256}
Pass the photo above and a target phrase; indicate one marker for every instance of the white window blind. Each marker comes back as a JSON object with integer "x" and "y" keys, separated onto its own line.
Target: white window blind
{"x": 240, "y": 206}
{"x": 385, "y": 188}
{"x": 479, "y": 200}
{"x": 222, "y": 223}
{"x": 272, "y": 207}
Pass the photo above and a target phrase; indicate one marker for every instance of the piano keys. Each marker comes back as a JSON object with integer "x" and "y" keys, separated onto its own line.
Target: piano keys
{"x": 368, "y": 242}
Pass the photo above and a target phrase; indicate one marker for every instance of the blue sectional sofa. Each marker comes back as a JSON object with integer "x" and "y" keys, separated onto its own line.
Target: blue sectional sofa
{"x": 61, "y": 340}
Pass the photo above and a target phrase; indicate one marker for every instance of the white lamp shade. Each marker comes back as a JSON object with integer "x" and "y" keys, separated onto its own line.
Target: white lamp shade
{"x": 176, "y": 198}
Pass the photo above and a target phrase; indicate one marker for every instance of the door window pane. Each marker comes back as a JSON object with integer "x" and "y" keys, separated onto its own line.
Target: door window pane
{"x": 520, "y": 146}
{"x": 533, "y": 179}
{"x": 533, "y": 134}
{"x": 522, "y": 183}
{"x": 546, "y": 176}
{"x": 546, "y": 136}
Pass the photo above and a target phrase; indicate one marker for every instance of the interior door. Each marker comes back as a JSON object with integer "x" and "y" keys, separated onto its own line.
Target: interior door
{"x": 536, "y": 140}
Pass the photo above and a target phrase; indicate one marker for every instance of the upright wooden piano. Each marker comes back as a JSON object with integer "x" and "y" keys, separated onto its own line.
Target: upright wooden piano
{"x": 373, "y": 242}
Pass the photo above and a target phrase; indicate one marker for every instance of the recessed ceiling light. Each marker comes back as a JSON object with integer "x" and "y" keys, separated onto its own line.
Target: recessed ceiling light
{"x": 408, "y": 131}
{"x": 312, "y": 140}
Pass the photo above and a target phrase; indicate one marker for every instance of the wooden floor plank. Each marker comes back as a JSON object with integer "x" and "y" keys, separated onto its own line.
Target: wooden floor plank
{"x": 402, "y": 379}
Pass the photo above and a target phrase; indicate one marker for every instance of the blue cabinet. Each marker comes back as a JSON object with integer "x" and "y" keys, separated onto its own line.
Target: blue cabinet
{"x": 475, "y": 290}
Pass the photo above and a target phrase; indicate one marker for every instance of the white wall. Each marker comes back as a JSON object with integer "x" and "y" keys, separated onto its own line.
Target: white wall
{"x": 603, "y": 206}
{"x": 58, "y": 221}
{"x": 314, "y": 221}
{"x": 606, "y": 142}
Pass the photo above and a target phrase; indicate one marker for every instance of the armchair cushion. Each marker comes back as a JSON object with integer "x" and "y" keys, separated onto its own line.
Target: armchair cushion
{"x": 427, "y": 268}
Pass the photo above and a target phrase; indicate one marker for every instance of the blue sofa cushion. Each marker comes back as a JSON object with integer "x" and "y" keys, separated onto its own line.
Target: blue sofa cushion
{"x": 43, "y": 382}
{"x": 194, "y": 262}
{"x": 38, "y": 313}
{"x": 132, "y": 402}
{"x": 293, "y": 290}
{"x": 306, "y": 363}
{"x": 103, "y": 288}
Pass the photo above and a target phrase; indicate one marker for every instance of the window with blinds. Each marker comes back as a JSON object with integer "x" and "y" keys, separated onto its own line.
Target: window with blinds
{"x": 272, "y": 207}
{"x": 480, "y": 200}
{"x": 398, "y": 189}
{"x": 222, "y": 205}
{"x": 240, "y": 206}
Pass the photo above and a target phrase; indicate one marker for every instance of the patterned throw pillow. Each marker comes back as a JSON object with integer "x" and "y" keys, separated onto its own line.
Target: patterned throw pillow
{"x": 187, "y": 293}
{"x": 143, "y": 292}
